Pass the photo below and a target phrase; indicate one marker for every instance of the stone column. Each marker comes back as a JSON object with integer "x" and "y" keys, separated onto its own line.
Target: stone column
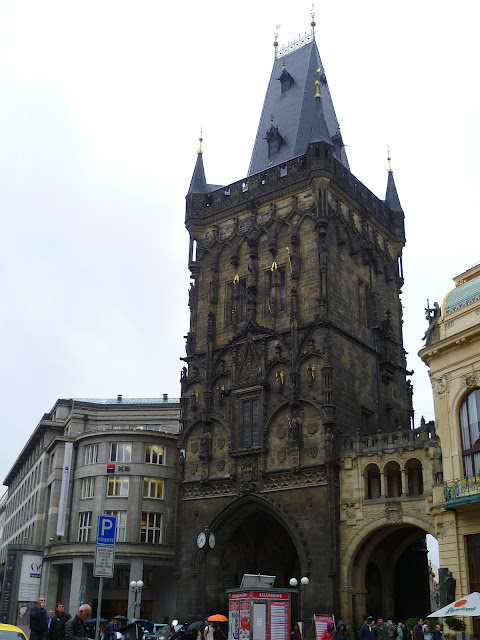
{"x": 383, "y": 492}
{"x": 136, "y": 573}
{"x": 404, "y": 482}
{"x": 75, "y": 586}
{"x": 49, "y": 584}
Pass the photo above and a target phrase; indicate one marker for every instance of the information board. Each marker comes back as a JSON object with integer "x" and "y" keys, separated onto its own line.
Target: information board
{"x": 279, "y": 621}
{"x": 103, "y": 566}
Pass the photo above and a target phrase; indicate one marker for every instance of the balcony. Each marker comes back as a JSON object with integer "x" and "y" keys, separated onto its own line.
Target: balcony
{"x": 461, "y": 491}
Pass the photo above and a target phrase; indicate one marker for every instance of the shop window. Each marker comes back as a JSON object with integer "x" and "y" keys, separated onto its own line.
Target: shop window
{"x": 469, "y": 426}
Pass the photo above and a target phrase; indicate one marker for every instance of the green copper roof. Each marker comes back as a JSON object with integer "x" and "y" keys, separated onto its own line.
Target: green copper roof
{"x": 463, "y": 296}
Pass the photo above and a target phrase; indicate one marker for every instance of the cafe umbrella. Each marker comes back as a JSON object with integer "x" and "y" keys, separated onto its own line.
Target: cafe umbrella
{"x": 467, "y": 606}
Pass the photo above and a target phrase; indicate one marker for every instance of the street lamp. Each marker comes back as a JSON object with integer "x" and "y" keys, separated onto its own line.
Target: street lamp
{"x": 293, "y": 582}
{"x": 136, "y": 587}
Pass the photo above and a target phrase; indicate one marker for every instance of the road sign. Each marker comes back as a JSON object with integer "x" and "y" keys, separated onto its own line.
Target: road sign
{"x": 106, "y": 530}
{"x": 103, "y": 565}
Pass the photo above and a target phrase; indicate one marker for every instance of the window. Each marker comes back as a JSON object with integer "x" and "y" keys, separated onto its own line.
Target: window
{"x": 153, "y": 488}
{"x": 91, "y": 454}
{"x": 236, "y": 298}
{"x": 372, "y": 482}
{"x": 413, "y": 470}
{"x": 150, "y": 528}
{"x": 469, "y": 425}
{"x": 249, "y": 423}
{"x": 148, "y": 578}
{"x": 118, "y": 486}
{"x": 393, "y": 479}
{"x": 154, "y": 454}
{"x": 84, "y": 526}
{"x": 88, "y": 487}
{"x": 121, "y": 516}
{"x": 121, "y": 452}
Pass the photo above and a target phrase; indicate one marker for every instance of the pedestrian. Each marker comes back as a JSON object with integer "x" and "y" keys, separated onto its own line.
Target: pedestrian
{"x": 391, "y": 632}
{"x": 426, "y": 633}
{"x": 49, "y": 617}
{"x": 399, "y": 631}
{"x": 218, "y": 634}
{"x": 295, "y": 633}
{"x": 366, "y": 631}
{"x": 208, "y": 632}
{"x": 418, "y": 630}
{"x": 380, "y": 630}
{"x": 75, "y": 628}
{"x": 38, "y": 621}
{"x": 437, "y": 633}
{"x": 57, "y": 624}
{"x": 340, "y": 632}
{"x": 327, "y": 633}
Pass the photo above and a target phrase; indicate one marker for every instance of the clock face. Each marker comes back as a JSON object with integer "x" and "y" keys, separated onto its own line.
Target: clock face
{"x": 211, "y": 540}
{"x": 201, "y": 539}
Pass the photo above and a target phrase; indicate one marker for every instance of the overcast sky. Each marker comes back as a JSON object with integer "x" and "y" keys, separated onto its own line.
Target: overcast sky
{"x": 101, "y": 105}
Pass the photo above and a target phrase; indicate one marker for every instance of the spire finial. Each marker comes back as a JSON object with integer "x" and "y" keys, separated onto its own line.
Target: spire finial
{"x": 200, "y": 140}
{"x": 317, "y": 85}
{"x": 313, "y": 23}
{"x": 389, "y": 159}
{"x": 275, "y": 38}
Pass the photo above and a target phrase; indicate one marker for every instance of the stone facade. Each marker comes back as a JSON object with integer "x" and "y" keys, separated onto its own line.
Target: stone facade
{"x": 452, "y": 353}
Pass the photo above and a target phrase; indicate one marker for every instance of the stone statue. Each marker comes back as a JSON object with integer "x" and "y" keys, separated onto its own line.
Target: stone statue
{"x": 205, "y": 447}
{"x": 437, "y": 467}
{"x": 450, "y": 584}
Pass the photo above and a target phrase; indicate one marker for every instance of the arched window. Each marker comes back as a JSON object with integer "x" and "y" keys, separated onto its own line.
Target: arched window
{"x": 469, "y": 426}
{"x": 413, "y": 470}
{"x": 372, "y": 482}
{"x": 394, "y": 480}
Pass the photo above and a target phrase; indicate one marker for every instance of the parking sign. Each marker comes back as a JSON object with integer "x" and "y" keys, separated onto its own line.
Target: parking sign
{"x": 107, "y": 526}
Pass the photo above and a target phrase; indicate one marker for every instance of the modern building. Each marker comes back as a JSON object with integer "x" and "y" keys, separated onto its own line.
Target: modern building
{"x": 89, "y": 457}
{"x": 452, "y": 354}
{"x": 296, "y": 412}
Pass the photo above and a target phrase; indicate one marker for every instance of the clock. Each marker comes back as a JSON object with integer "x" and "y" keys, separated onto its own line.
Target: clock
{"x": 201, "y": 540}
{"x": 211, "y": 540}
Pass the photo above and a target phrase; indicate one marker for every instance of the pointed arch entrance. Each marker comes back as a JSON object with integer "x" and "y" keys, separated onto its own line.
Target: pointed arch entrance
{"x": 253, "y": 536}
{"x": 386, "y": 571}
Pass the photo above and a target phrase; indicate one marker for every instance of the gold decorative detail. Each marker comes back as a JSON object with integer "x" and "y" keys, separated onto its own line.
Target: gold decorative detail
{"x": 279, "y": 377}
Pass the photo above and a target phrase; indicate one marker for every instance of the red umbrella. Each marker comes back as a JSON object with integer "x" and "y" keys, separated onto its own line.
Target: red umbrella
{"x": 217, "y": 618}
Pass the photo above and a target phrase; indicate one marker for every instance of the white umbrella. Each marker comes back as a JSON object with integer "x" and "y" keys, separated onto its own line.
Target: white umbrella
{"x": 467, "y": 606}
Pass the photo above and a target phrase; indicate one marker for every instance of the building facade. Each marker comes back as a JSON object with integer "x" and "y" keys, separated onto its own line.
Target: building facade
{"x": 295, "y": 379}
{"x": 123, "y": 463}
{"x": 452, "y": 354}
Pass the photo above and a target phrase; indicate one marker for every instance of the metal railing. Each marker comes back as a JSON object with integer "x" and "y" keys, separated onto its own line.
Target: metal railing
{"x": 462, "y": 490}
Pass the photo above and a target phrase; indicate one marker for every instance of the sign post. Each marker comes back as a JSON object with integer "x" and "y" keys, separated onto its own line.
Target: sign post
{"x": 104, "y": 561}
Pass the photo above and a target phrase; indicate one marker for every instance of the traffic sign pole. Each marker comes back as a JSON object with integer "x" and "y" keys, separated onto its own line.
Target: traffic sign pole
{"x": 103, "y": 563}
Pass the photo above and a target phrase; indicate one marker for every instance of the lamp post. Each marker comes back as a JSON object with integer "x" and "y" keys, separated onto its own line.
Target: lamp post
{"x": 136, "y": 587}
{"x": 293, "y": 582}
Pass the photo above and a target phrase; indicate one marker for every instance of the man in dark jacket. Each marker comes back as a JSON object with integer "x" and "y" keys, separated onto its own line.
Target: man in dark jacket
{"x": 366, "y": 630}
{"x": 56, "y": 628}
{"x": 75, "y": 628}
{"x": 38, "y": 621}
{"x": 380, "y": 629}
{"x": 418, "y": 630}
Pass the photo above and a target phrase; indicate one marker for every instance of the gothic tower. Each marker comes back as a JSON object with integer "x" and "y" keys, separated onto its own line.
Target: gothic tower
{"x": 295, "y": 344}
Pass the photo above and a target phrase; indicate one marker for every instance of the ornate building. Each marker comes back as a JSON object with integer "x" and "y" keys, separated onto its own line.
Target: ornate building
{"x": 297, "y": 421}
{"x": 452, "y": 353}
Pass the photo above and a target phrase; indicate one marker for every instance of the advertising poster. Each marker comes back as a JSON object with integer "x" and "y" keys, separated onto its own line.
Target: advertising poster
{"x": 279, "y": 621}
{"x": 233, "y": 620}
{"x": 29, "y": 587}
{"x": 7, "y": 590}
{"x": 320, "y": 624}
{"x": 23, "y": 616}
{"x": 244, "y": 631}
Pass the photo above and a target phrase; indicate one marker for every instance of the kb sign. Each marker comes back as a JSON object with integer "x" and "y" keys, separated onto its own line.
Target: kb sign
{"x": 106, "y": 530}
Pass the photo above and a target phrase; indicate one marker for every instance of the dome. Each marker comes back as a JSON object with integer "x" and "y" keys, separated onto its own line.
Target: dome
{"x": 463, "y": 296}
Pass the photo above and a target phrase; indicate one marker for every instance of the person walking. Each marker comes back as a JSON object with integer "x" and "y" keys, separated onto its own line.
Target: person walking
{"x": 366, "y": 631}
{"x": 75, "y": 628}
{"x": 295, "y": 632}
{"x": 57, "y": 623}
{"x": 418, "y": 630}
{"x": 380, "y": 629}
{"x": 327, "y": 633}
{"x": 340, "y": 632}
{"x": 208, "y": 632}
{"x": 38, "y": 621}
{"x": 437, "y": 633}
{"x": 426, "y": 633}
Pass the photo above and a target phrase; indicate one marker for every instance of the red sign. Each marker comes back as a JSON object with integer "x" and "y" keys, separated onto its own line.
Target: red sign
{"x": 236, "y": 596}
{"x": 269, "y": 595}
{"x": 110, "y": 468}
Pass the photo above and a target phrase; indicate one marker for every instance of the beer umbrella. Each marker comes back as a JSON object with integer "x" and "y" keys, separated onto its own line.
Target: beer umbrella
{"x": 467, "y": 606}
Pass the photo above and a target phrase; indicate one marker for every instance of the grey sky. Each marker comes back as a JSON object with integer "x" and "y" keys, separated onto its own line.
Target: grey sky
{"x": 101, "y": 104}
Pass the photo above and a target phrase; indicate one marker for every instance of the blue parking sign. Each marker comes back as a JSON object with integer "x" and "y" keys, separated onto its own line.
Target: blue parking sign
{"x": 107, "y": 526}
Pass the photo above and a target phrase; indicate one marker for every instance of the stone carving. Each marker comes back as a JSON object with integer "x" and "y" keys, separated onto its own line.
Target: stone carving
{"x": 443, "y": 529}
{"x": 205, "y": 447}
{"x": 439, "y": 385}
{"x": 350, "y": 510}
{"x": 281, "y": 455}
{"x": 220, "y": 465}
{"x": 295, "y": 430}
{"x": 249, "y": 469}
{"x": 393, "y": 512}
{"x": 218, "y": 488}
{"x": 300, "y": 479}
{"x": 312, "y": 452}
{"x": 469, "y": 380}
{"x": 312, "y": 428}
{"x": 220, "y": 442}
{"x": 193, "y": 468}
{"x": 437, "y": 467}
{"x": 281, "y": 432}
{"x": 450, "y": 584}
{"x": 194, "y": 446}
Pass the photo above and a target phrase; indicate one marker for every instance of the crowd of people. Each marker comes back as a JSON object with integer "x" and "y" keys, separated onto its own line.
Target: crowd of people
{"x": 372, "y": 629}
{"x": 58, "y": 625}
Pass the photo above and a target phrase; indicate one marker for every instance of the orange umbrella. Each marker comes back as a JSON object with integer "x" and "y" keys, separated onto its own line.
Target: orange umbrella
{"x": 217, "y": 618}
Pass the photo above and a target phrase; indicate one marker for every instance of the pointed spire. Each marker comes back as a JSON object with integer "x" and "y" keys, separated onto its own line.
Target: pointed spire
{"x": 319, "y": 126}
{"x": 313, "y": 23}
{"x": 391, "y": 197}
{"x": 198, "y": 182}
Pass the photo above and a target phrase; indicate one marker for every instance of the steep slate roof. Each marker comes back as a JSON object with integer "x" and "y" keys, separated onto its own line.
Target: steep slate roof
{"x": 294, "y": 111}
{"x": 198, "y": 183}
{"x": 391, "y": 197}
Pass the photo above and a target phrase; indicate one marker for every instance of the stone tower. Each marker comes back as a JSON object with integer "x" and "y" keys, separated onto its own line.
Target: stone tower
{"x": 295, "y": 343}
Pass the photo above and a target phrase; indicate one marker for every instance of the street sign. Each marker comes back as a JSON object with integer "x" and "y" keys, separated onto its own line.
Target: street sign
{"x": 106, "y": 530}
{"x": 103, "y": 565}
